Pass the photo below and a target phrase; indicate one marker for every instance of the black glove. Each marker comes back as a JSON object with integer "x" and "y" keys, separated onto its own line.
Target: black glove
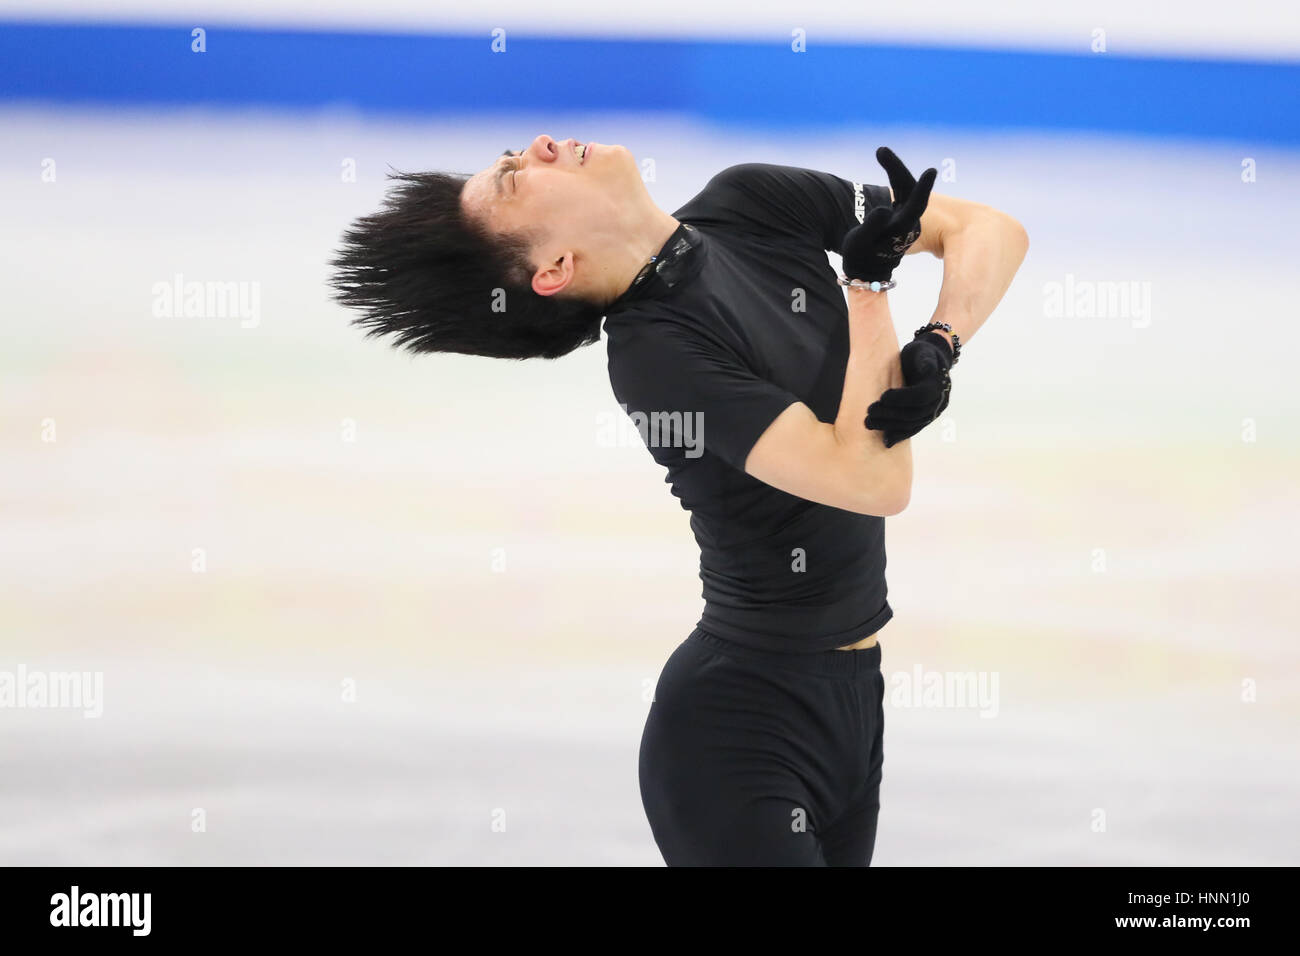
{"x": 902, "y": 412}
{"x": 871, "y": 251}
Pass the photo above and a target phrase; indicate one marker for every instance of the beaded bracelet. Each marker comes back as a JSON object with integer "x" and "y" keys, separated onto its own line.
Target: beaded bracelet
{"x": 864, "y": 284}
{"x": 945, "y": 327}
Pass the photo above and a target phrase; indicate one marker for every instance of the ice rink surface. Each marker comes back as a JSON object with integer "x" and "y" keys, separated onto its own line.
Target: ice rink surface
{"x": 433, "y": 599}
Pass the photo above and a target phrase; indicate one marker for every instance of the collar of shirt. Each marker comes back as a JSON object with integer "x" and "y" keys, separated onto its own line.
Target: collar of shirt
{"x": 679, "y": 261}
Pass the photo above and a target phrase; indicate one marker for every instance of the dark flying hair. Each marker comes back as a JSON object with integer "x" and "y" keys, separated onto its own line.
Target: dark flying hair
{"x": 421, "y": 270}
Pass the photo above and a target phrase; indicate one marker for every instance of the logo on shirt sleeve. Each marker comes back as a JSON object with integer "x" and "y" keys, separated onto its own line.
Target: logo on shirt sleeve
{"x": 859, "y": 202}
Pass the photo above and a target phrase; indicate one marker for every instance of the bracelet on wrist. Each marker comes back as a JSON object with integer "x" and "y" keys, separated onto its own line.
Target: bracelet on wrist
{"x": 941, "y": 327}
{"x": 875, "y": 286}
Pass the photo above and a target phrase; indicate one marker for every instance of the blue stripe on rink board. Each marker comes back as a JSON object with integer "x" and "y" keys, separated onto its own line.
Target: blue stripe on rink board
{"x": 756, "y": 83}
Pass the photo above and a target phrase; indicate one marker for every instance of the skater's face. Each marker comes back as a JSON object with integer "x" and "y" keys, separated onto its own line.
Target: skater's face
{"x": 577, "y": 205}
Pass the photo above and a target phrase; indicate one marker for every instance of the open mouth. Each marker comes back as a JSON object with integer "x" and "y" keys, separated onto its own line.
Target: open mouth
{"x": 581, "y": 151}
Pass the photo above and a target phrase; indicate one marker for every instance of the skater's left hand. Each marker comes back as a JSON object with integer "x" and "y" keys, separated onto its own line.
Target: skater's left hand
{"x": 902, "y": 412}
{"x": 873, "y": 249}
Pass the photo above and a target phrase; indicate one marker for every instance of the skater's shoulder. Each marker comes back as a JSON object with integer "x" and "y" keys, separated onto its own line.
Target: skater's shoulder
{"x": 772, "y": 201}
{"x": 737, "y": 182}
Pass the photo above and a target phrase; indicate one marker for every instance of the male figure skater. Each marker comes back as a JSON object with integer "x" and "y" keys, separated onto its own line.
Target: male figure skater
{"x": 763, "y": 745}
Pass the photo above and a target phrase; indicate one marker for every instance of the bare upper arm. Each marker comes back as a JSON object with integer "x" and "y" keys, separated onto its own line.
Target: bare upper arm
{"x": 800, "y": 455}
{"x": 943, "y": 216}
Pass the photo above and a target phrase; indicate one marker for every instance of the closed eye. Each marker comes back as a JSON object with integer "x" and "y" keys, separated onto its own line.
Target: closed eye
{"x": 514, "y": 167}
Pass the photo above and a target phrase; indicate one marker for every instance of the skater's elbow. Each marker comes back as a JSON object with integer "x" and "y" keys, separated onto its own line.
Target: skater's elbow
{"x": 880, "y": 477}
{"x": 1004, "y": 232}
{"x": 876, "y": 500}
{"x": 892, "y": 497}
{"x": 802, "y": 456}
{"x": 1017, "y": 237}
{"x": 897, "y": 501}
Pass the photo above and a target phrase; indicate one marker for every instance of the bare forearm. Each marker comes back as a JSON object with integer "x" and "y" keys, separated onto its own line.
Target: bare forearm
{"x": 979, "y": 261}
{"x": 843, "y": 464}
{"x": 873, "y": 366}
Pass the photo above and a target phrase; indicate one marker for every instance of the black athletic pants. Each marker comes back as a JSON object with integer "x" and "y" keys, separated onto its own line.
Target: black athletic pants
{"x": 764, "y": 758}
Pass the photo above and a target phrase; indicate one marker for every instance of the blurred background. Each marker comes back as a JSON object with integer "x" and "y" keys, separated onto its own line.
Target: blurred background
{"x": 348, "y": 606}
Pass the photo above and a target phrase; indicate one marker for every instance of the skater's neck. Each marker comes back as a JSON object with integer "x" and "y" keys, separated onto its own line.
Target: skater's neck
{"x": 645, "y": 239}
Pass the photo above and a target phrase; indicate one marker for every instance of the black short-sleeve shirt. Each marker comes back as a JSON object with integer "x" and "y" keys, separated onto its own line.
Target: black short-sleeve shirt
{"x": 738, "y": 317}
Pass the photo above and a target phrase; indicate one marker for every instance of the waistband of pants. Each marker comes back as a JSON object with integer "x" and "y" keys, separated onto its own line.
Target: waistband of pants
{"x": 833, "y": 663}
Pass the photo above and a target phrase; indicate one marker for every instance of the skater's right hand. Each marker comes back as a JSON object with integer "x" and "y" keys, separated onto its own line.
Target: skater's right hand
{"x": 872, "y": 250}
